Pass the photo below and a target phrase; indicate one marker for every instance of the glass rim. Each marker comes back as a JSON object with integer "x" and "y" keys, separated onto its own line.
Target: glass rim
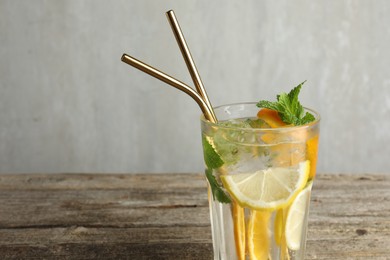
{"x": 278, "y": 129}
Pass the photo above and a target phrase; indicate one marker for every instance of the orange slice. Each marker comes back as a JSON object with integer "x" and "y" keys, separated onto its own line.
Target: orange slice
{"x": 312, "y": 152}
{"x": 271, "y": 117}
{"x": 258, "y": 235}
{"x": 239, "y": 229}
{"x": 290, "y": 153}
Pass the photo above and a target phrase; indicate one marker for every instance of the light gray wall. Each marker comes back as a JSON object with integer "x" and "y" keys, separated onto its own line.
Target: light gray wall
{"x": 68, "y": 104}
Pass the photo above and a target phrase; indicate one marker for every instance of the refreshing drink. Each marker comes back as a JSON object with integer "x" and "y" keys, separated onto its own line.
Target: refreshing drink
{"x": 260, "y": 166}
{"x": 260, "y": 171}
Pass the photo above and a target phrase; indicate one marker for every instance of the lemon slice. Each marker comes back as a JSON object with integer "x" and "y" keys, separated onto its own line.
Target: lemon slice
{"x": 267, "y": 189}
{"x": 296, "y": 219}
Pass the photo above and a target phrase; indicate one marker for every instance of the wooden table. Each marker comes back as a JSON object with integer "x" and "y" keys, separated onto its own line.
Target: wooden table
{"x": 165, "y": 216}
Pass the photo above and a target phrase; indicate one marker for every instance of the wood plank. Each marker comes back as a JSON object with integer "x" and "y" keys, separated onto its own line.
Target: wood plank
{"x": 107, "y": 243}
{"x": 349, "y": 217}
{"x": 151, "y": 182}
{"x": 157, "y": 216}
{"x": 95, "y": 208}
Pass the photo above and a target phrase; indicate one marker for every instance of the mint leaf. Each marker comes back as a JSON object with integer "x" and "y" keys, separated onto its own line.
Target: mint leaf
{"x": 268, "y": 104}
{"x": 307, "y": 118}
{"x": 211, "y": 158}
{"x": 228, "y": 151}
{"x": 290, "y": 109}
{"x": 216, "y": 188}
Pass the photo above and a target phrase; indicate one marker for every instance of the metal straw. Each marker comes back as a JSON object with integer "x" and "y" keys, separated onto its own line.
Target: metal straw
{"x": 188, "y": 59}
{"x": 208, "y": 114}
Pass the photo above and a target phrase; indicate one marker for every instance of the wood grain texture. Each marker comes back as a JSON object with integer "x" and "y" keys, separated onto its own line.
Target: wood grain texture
{"x": 165, "y": 216}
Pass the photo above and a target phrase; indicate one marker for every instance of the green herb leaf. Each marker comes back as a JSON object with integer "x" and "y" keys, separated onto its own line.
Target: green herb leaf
{"x": 211, "y": 157}
{"x": 213, "y": 161}
{"x": 216, "y": 188}
{"x": 307, "y": 118}
{"x": 227, "y": 151}
{"x": 290, "y": 109}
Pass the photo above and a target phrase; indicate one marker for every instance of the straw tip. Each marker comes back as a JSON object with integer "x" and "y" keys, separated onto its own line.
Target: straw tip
{"x": 123, "y": 58}
{"x": 170, "y": 12}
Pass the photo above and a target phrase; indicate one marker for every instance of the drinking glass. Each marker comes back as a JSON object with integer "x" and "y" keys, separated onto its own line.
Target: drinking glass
{"x": 259, "y": 183}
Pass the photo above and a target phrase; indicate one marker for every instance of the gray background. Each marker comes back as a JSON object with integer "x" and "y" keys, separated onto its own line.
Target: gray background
{"x": 68, "y": 104}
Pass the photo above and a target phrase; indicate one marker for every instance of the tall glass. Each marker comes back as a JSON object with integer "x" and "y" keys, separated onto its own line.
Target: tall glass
{"x": 260, "y": 181}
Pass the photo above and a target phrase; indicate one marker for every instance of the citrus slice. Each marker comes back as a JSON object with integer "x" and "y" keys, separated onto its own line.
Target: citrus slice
{"x": 312, "y": 152}
{"x": 239, "y": 229}
{"x": 296, "y": 219}
{"x": 258, "y": 235}
{"x": 267, "y": 189}
{"x": 278, "y": 226}
{"x": 271, "y": 117}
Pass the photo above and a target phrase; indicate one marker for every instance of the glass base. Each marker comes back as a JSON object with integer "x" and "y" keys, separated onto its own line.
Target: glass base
{"x": 271, "y": 246}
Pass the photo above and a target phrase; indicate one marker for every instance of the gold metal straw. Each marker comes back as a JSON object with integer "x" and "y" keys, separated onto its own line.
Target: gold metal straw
{"x": 208, "y": 114}
{"x": 189, "y": 61}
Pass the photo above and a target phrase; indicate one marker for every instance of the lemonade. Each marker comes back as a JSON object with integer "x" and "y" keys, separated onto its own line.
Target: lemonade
{"x": 260, "y": 172}
{"x": 260, "y": 165}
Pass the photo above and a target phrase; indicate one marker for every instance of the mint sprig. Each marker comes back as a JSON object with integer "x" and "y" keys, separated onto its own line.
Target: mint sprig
{"x": 289, "y": 108}
{"x": 211, "y": 157}
{"x": 213, "y": 161}
{"x": 216, "y": 188}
